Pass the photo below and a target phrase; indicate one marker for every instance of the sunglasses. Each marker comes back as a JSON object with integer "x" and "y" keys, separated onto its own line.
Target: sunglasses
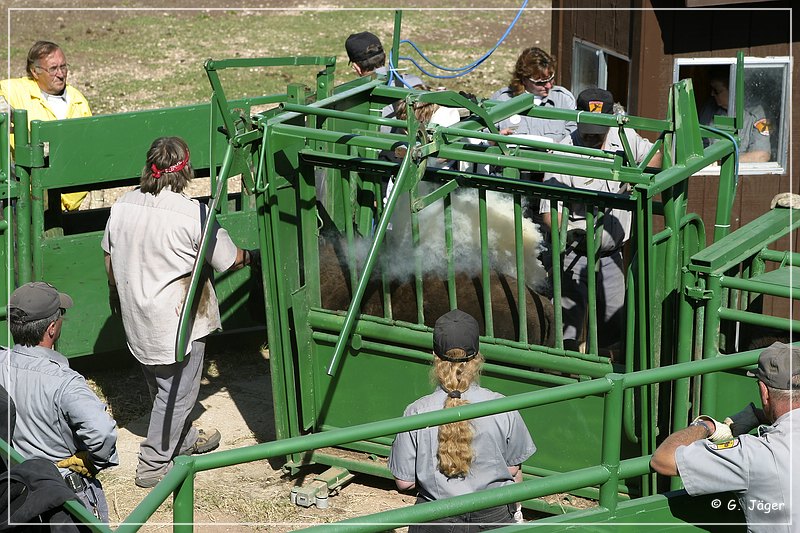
{"x": 542, "y": 83}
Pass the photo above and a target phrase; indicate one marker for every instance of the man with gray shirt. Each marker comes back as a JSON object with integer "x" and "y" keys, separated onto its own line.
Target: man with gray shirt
{"x": 59, "y": 418}
{"x": 762, "y": 469}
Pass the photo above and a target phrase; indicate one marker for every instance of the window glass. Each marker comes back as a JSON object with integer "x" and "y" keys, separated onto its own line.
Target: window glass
{"x": 593, "y": 66}
{"x": 585, "y": 68}
{"x": 763, "y": 136}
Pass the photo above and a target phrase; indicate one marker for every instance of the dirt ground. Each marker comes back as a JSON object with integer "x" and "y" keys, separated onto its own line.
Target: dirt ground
{"x": 236, "y": 398}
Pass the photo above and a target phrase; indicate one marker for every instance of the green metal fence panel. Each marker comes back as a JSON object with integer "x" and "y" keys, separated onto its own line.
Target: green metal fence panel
{"x": 107, "y": 151}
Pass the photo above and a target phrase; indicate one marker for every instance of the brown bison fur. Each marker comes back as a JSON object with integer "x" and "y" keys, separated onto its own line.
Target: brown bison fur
{"x": 337, "y": 291}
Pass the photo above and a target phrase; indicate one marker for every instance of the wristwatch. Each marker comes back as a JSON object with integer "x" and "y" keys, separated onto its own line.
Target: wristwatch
{"x": 702, "y": 423}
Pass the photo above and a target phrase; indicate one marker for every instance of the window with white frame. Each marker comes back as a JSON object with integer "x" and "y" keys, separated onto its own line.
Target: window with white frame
{"x": 763, "y": 137}
{"x": 594, "y": 66}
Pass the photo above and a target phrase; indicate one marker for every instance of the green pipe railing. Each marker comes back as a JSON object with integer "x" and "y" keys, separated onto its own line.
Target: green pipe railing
{"x": 530, "y": 355}
{"x": 74, "y": 507}
{"x": 760, "y": 287}
{"x": 606, "y": 475}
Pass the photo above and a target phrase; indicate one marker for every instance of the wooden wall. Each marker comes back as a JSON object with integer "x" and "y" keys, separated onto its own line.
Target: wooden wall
{"x": 653, "y": 33}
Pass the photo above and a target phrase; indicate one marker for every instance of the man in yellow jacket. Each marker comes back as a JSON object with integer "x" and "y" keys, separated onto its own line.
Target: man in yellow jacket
{"x": 46, "y": 95}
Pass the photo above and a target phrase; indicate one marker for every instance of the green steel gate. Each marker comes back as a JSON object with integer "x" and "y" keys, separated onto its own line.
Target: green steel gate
{"x": 106, "y": 151}
{"x": 334, "y": 370}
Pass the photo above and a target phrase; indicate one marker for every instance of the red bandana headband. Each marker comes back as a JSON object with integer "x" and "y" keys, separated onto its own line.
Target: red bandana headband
{"x": 177, "y": 167}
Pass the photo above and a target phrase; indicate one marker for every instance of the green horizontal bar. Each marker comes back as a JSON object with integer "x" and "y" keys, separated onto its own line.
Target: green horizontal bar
{"x": 426, "y": 357}
{"x": 221, "y": 64}
{"x": 680, "y": 172}
{"x": 426, "y": 512}
{"x": 344, "y": 115}
{"x": 780, "y": 257}
{"x": 422, "y": 337}
{"x": 758, "y": 319}
{"x": 761, "y": 287}
{"x": 367, "y": 466}
{"x": 359, "y": 86}
{"x": 690, "y": 368}
{"x": 396, "y": 425}
{"x": 497, "y": 138}
{"x": 337, "y": 137}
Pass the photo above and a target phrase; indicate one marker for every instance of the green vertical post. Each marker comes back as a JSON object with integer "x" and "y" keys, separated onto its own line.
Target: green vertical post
{"x": 708, "y": 402}
{"x": 416, "y": 241}
{"x": 183, "y": 500}
{"x": 23, "y": 209}
{"x": 612, "y": 429}
{"x": 592, "y": 266}
{"x": 683, "y": 353}
{"x": 448, "y": 244}
{"x": 23, "y": 233}
{"x": 485, "y": 273}
{"x": 555, "y": 273}
{"x": 522, "y": 308}
{"x": 395, "y": 55}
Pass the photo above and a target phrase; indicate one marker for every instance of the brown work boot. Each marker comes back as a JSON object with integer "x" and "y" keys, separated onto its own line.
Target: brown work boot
{"x": 205, "y": 442}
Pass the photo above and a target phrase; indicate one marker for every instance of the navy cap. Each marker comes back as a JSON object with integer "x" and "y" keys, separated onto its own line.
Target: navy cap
{"x": 456, "y": 329}
{"x": 595, "y": 100}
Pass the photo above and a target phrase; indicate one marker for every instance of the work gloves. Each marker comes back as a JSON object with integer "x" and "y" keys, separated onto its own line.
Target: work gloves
{"x": 740, "y": 423}
{"x": 80, "y": 463}
{"x": 722, "y": 432}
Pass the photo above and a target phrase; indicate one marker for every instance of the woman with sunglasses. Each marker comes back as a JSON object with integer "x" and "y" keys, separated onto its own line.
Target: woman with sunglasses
{"x": 535, "y": 73}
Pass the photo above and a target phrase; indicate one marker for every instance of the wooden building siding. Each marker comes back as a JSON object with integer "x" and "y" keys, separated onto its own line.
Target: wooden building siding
{"x": 653, "y": 33}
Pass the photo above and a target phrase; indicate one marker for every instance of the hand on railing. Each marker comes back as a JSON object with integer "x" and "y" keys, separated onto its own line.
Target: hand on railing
{"x": 721, "y": 433}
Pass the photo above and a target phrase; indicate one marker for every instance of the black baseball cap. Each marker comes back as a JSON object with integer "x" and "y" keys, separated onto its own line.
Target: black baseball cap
{"x": 362, "y": 46}
{"x": 777, "y": 364}
{"x": 456, "y": 329}
{"x": 595, "y": 100}
{"x": 38, "y": 300}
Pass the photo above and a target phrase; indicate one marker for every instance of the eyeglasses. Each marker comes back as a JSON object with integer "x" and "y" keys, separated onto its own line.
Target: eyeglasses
{"x": 542, "y": 83}
{"x": 52, "y": 70}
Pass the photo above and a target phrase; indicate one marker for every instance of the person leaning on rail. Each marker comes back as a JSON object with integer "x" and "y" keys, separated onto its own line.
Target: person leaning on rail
{"x": 461, "y": 457}
{"x": 59, "y": 418}
{"x": 46, "y": 95}
{"x": 762, "y": 469}
{"x": 151, "y": 241}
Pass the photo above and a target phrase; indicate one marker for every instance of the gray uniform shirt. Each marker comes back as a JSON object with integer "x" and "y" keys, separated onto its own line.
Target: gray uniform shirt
{"x": 754, "y": 135}
{"x": 762, "y": 470}
{"x": 499, "y": 441}
{"x": 57, "y": 412}
{"x": 554, "y": 129}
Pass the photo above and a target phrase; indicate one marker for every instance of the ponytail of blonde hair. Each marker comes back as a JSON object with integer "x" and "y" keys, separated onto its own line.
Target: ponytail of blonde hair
{"x": 455, "y": 439}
